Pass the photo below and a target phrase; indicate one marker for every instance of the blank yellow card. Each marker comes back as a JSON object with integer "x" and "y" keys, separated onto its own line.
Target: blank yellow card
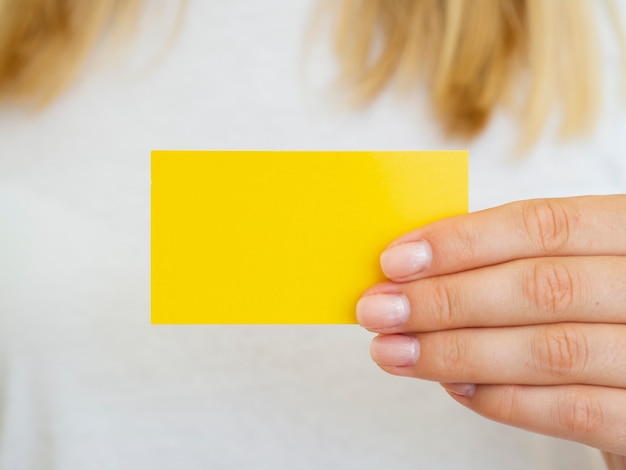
{"x": 286, "y": 237}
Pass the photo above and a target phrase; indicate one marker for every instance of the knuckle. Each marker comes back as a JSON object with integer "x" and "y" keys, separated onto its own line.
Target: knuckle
{"x": 547, "y": 223}
{"x": 506, "y": 409}
{"x": 443, "y": 300}
{"x": 552, "y": 289}
{"x": 455, "y": 350}
{"x": 466, "y": 239}
{"x": 579, "y": 414}
{"x": 560, "y": 351}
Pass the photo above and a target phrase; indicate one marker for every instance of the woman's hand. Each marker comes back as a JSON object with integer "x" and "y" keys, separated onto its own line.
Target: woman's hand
{"x": 519, "y": 311}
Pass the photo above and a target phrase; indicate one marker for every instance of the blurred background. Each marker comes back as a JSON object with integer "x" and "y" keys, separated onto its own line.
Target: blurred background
{"x": 87, "y": 382}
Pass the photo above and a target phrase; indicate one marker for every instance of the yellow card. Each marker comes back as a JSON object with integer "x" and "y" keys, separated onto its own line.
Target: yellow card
{"x": 286, "y": 237}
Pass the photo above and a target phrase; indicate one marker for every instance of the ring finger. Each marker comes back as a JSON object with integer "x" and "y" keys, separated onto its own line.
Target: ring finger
{"x": 562, "y": 353}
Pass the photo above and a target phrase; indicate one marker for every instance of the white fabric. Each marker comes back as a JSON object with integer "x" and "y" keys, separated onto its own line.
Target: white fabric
{"x": 87, "y": 382}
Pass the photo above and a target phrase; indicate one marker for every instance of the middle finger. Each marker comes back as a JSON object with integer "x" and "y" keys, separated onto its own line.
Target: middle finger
{"x": 522, "y": 292}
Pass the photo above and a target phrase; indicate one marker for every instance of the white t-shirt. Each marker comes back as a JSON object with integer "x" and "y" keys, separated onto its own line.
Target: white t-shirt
{"x": 86, "y": 382}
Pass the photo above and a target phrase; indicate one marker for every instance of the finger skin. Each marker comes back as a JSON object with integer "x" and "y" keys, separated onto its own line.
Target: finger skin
{"x": 522, "y": 292}
{"x": 563, "y": 353}
{"x": 529, "y": 294}
{"x": 614, "y": 461}
{"x": 588, "y": 225}
{"x": 592, "y": 415}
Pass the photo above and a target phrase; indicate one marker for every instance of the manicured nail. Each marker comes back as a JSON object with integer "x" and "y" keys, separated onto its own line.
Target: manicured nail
{"x": 382, "y": 311}
{"x": 395, "y": 350}
{"x": 465, "y": 390}
{"x": 406, "y": 260}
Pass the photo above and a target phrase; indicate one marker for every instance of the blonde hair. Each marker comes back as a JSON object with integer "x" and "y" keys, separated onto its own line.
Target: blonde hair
{"x": 43, "y": 42}
{"x": 533, "y": 55}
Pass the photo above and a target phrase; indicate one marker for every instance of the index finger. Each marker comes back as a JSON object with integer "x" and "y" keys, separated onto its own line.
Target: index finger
{"x": 578, "y": 226}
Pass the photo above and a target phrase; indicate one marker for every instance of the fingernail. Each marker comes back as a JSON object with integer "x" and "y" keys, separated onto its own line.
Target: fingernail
{"x": 383, "y": 311}
{"x": 407, "y": 259}
{"x": 465, "y": 390}
{"x": 395, "y": 350}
